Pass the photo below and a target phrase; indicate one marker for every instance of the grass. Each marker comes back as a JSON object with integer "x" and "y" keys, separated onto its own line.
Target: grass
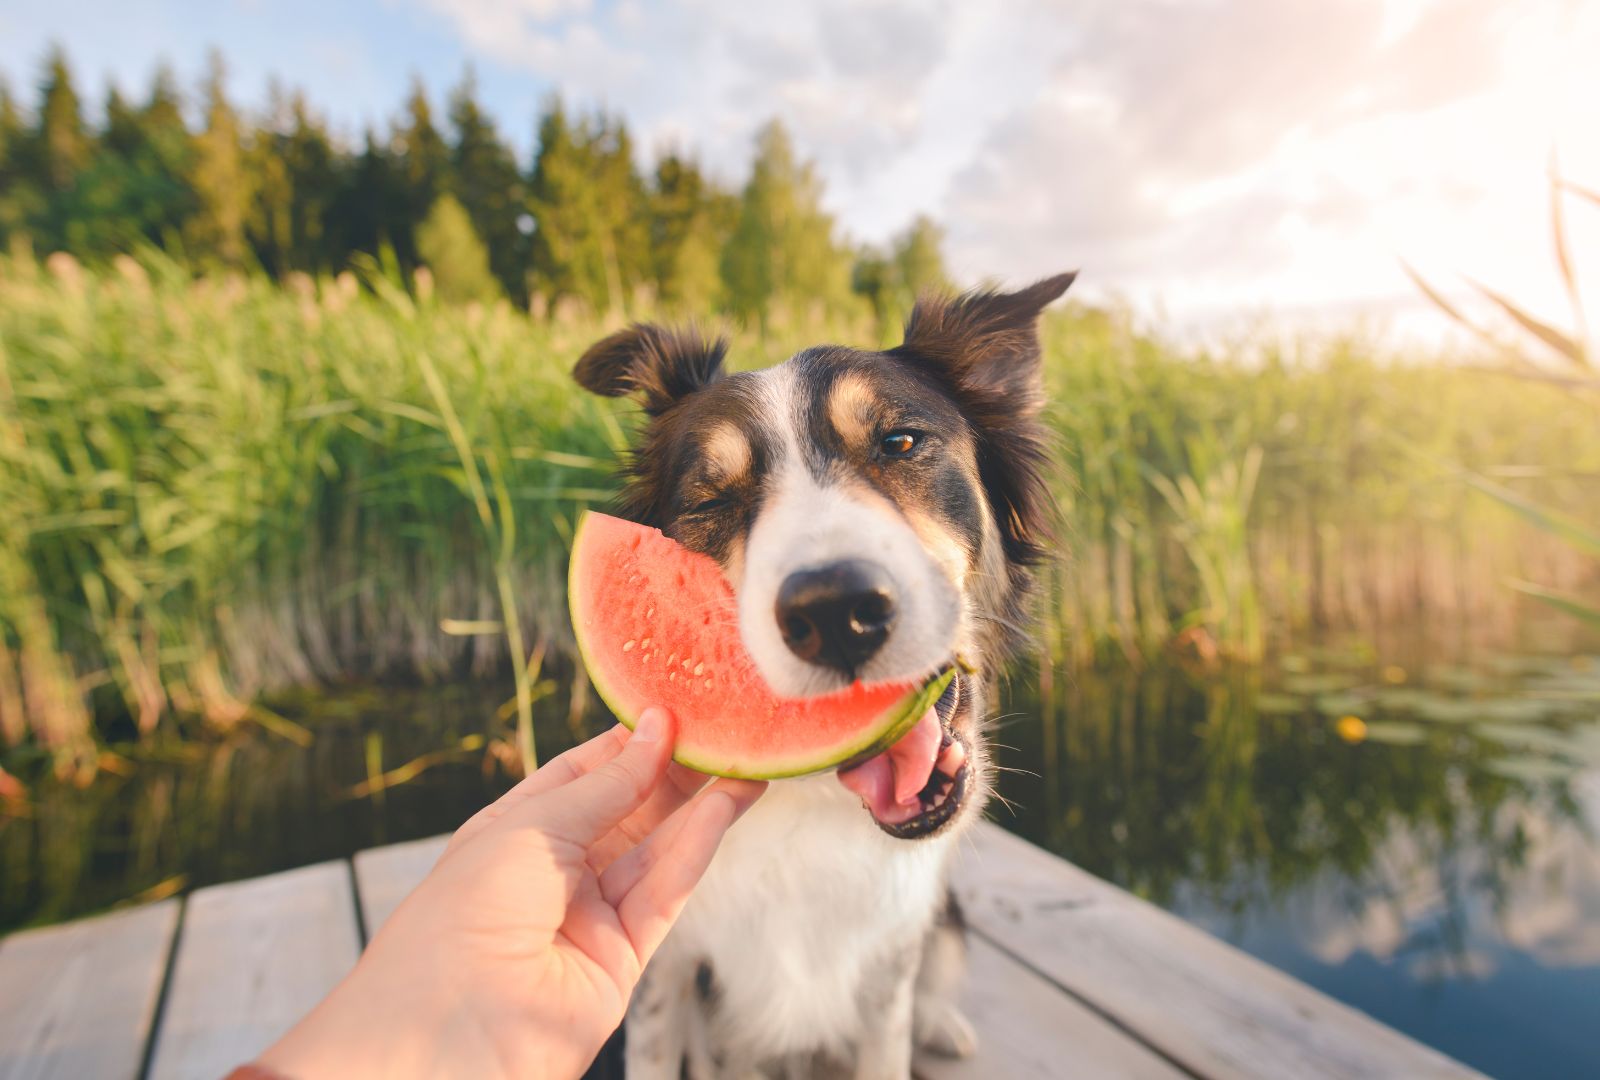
{"x": 1238, "y": 504}
{"x": 219, "y": 488}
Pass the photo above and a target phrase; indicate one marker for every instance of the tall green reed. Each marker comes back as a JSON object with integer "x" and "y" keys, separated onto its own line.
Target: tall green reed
{"x": 219, "y": 487}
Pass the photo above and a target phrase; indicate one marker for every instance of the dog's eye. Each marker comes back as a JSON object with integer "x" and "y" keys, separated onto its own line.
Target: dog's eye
{"x": 709, "y": 506}
{"x": 898, "y": 444}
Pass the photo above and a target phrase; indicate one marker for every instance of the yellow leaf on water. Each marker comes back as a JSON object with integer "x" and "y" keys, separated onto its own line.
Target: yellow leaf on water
{"x": 1352, "y": 729}
{"x": 1394, "y": 674}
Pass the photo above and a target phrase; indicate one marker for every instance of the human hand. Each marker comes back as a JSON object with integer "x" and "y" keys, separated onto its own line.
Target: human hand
{"x": 516, "y": 956}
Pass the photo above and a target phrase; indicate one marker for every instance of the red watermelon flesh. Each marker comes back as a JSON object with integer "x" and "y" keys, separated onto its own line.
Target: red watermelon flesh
{"x": 657, "y": 624}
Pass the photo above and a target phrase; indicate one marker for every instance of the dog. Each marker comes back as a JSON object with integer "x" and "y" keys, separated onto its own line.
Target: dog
{"x": 878, "y": 515}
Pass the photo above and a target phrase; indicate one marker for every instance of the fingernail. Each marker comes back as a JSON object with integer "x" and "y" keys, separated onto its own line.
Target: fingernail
{"x": 652, "y": 725}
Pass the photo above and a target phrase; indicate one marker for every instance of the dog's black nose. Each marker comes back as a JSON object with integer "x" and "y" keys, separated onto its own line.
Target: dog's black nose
{"x": 838, "y": 615}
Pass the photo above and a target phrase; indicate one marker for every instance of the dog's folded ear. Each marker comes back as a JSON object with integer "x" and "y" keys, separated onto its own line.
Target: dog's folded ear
{"x": 662, "y": 366}
{"x": 985, "y": 343}
{"x": 983, "y": 348}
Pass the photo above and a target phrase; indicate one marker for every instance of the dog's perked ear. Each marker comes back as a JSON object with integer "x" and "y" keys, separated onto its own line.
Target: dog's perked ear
{"x": 985, "y": 342}
{"x": 662, "y": 366}
{"x": 983, "y": 348}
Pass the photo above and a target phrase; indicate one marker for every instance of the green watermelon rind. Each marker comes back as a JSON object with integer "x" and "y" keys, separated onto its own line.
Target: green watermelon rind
{"x": 898, "y": 719}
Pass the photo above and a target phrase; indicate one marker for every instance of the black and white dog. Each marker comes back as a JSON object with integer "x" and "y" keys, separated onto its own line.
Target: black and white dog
{"x": 876, "y": 514}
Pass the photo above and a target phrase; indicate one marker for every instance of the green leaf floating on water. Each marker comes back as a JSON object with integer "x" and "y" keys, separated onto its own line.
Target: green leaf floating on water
{"x": 1533, "y": 737}
{"x": 1405, "y": 698}
{"x": 1448, "y": 710}
{"x": 1519, "y": 710}
{"x": 1270, "y": 704}
{"x": 1342, "y": 704}
{"x": 1457, "y": 678}
{"x": 1396, "y": 733}
{"x": 1328, "y": 682}
{"x": 1531, "y": 769}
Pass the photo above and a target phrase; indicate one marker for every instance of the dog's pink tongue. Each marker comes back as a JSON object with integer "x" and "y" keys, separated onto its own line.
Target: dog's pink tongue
{"x": 890, "y": 782}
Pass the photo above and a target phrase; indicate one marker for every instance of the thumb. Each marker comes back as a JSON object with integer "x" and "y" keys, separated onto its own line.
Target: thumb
{"x": 584, "y": 810}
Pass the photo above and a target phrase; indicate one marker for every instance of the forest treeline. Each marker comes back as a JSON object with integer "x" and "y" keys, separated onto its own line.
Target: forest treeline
{"x": 583, "y": 225}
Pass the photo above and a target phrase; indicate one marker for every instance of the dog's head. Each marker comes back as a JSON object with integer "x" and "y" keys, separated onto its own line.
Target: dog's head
{"x": 876, "y": 512}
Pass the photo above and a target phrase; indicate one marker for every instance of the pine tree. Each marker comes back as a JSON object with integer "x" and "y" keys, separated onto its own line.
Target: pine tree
{"x": 688, "y": 226}
{"x": 102, "y": 211}
{"x": 782, "y": 259}
{"x": 217, "y": 228}
{"x": 134, "y": 189}
{"x": 270, "y": 224}
{"x": 63, "y": 141}
{"x": 486, "y": 180}
{"x": 454, "y": 255}
{"x": 914, "y": 264}
{"x": 313, "y": 166}
{"x": 622, "y": 213}
{"x": 294, "y": 177}
{"x": 16, "y": 195}
{"x": 167, "y": 158}
{"x": 919, "y": 259}
{"x": 592, "y": 235}
{"x": 371, "y": 209}
{"x": 422, "y": 173}
{"x": 567, "y": 258}
{"x": 121, "y": 134}
{"x": 11, "y": 129}
{"x": 872, "y": 278}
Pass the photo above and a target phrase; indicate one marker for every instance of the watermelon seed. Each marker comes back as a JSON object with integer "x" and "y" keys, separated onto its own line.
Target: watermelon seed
{"x": 708, "y": 684}
{"x": 650, "y": 612}
{"x": 627, "y": 646}
{"x": 686, "y": 662}
{"x": 671, "y": 675}
{"x": 672, "y": 658}
{"x": 698, "y": 668}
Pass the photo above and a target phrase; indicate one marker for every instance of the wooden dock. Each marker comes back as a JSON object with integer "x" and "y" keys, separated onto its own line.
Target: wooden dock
{"x": 1071, "y": 977}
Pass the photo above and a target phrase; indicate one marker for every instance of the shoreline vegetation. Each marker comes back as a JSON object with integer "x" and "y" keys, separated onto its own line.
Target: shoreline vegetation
{"x": 222, "y": 486}
{"x": 281, "y": 408}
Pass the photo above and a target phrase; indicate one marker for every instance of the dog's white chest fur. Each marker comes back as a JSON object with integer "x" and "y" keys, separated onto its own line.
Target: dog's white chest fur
{"x": 806, "y": 900}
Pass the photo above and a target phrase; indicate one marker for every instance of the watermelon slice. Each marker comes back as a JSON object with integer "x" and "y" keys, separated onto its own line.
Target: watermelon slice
{"x": 657, "y": 624}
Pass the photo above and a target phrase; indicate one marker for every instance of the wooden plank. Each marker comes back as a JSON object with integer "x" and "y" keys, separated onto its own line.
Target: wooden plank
{"x": 253, "y": 957}
{"x": 76, "y": 1000}
{"x": 385, "y": 876}
{"x": 1198, "y": 1000}
{"x": 1027, "y": 1028}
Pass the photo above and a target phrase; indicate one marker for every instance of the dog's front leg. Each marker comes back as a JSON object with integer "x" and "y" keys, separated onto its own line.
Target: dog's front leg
{"x": 659, "y": 1017}
{"x": 885, "y": 1050}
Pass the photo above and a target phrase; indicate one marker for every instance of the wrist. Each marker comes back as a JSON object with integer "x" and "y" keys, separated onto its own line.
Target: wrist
{"x": 417, "y": 1025}
{"x": 363, "y": 1028}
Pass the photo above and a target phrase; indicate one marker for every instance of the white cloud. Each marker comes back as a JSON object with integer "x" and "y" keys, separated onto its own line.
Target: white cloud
{"x": 1213, "y": 153}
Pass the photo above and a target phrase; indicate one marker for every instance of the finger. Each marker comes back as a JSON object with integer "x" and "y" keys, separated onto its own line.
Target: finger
{"x": 578, "y": 761}
{"x": 583, "y": 811}
{"x": 650, "y": 908}
{"x": 630, "y": 867}
{"x": 679, "y": 787}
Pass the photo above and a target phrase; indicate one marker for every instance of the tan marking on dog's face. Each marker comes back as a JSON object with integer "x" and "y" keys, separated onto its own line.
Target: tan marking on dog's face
{"x": 946, "y": 550}
{"x": 727, "y": 454}
{"x": 851, "y": 405}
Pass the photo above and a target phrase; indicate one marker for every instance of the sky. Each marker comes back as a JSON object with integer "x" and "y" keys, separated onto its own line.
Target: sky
{"x": 1207, "y": 162}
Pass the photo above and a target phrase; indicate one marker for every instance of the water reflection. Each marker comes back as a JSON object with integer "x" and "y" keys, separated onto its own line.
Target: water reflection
{"x": 185, "y": 815}
{"x": 1422, "y": 842}
{"x": 1425, "y": 851}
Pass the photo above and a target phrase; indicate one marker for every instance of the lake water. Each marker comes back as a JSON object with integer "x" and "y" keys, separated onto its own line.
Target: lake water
{"x": 1421, "y": 840}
